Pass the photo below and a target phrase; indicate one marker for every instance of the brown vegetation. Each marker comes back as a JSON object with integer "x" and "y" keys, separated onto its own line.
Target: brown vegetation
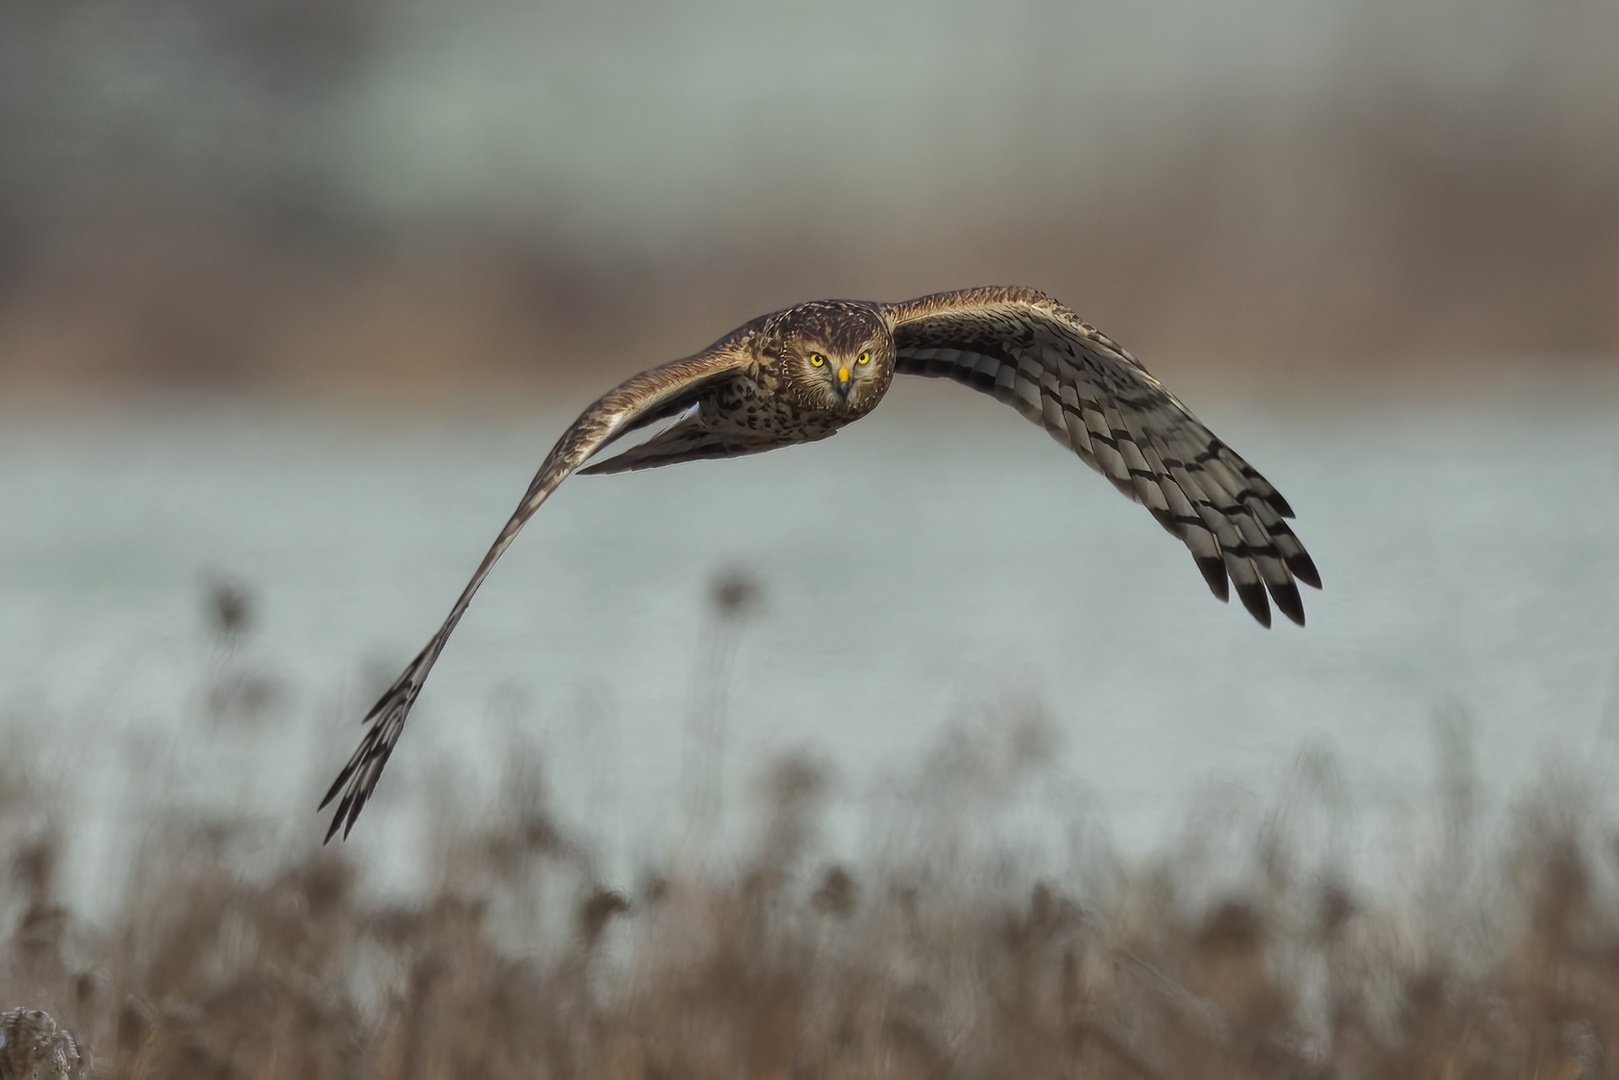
{"x": 954, "y": 948}
{"x": 941, "y": 957}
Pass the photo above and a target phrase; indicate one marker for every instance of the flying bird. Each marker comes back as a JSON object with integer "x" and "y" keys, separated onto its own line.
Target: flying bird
{"x": 799, "y": 375}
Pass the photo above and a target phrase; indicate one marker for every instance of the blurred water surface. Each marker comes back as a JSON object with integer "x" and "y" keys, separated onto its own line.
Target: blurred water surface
{"x": 939, "y": 562}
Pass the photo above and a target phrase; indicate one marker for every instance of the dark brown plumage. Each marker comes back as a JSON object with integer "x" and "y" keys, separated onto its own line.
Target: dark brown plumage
{"x": 801, "y": 374}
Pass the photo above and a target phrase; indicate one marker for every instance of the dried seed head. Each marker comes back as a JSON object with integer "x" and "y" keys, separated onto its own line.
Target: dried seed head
{"x": 597, "y": 910}
{"x": 229, "y": 610}
{"x": 836, "y": 893}
{"x": 735, "y": 593}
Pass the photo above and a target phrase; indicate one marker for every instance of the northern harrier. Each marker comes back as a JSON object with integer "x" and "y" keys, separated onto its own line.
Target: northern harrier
{"x": 801, "y": 374}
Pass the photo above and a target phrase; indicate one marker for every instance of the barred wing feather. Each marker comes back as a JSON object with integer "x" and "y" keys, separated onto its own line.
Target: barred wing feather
{"x": 1092, "y": 396}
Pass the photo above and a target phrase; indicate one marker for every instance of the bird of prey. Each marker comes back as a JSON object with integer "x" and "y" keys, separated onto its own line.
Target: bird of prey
{"x": 799, "y": 375}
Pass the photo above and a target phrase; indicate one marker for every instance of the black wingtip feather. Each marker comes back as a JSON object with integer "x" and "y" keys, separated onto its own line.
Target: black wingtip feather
{"x": 331, "y": 793}
{"x": 348, "y": 812}
{"x": 357, "y": 803}
{"x": 1253, "y": 598}
{"x": 343, "y": 819}
{"x": 1303, "y": 568}
{"x": 1286, "y": 595}
{"x": 332, "y": 830}
{"x": 1213, "y": 571}
{"x": 359, "y": 776}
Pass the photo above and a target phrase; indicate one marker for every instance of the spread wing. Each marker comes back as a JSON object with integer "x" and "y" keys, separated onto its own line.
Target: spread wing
{"x": 1095, "y": 398}
{"x": 651, "y": 396}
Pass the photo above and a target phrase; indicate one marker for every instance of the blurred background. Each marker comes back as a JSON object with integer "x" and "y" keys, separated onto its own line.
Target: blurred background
{"x": 397, "y": 197}
{"x": 295, "y": 295}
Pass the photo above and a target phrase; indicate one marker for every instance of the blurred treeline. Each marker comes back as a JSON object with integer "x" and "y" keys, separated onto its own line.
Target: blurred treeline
{"x": 382, "y": 197}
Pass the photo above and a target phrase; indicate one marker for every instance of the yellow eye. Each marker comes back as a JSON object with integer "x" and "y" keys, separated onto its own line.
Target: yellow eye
{"x": 865, "y": 357}
{"x": 817, "y": 359}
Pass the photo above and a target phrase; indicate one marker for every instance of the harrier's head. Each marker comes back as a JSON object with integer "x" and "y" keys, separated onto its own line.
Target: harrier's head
{"x": 836, "y": 355}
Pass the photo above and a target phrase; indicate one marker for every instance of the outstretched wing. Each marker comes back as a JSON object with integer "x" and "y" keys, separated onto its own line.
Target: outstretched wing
{"x": 653, "y": 395}
{"x": 1092, "y": 396}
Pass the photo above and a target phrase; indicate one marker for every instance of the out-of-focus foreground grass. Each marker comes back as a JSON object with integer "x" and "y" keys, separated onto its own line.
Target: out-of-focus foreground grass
{"x": 935, "y": 956}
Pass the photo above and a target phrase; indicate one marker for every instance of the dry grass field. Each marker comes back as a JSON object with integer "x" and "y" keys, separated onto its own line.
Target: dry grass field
{"x": 941, "y": 957}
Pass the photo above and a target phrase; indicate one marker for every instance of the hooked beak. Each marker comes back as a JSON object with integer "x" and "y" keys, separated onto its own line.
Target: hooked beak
{"x": 843, "y": 380}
